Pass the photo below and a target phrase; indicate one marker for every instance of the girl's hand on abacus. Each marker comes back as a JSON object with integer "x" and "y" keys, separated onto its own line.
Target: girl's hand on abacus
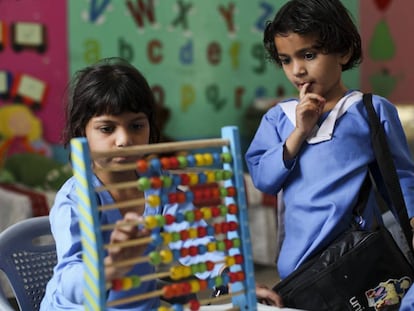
{"x": 267, "y": 296}
{"x": 125, "y": 230}
{"x": 309, "y": 110}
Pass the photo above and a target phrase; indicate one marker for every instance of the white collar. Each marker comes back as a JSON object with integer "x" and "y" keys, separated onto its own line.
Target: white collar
{"x": 325, "y": 131}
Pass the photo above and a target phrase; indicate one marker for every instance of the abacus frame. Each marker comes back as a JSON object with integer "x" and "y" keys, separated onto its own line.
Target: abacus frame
{"x": 93, "y": 251}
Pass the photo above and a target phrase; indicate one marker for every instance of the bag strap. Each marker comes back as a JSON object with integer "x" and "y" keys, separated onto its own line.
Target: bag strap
{"x": 387, "y": 168}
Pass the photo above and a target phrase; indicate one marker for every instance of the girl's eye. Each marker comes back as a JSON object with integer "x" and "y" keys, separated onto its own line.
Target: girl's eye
{"x": 309, "y": 56}
{"x": 106, "y": 129}
{"x": 138, "y": 126}
{"x": 284, "y": 60}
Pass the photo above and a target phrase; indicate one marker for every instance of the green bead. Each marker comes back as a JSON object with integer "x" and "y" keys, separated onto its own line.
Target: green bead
{"x": 144, "y": 184}
{"x": 155, "y": 258}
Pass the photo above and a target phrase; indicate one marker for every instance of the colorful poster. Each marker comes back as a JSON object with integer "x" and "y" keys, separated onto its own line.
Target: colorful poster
{"x": 204, "y": 59}
{"x": 34, "y": 59}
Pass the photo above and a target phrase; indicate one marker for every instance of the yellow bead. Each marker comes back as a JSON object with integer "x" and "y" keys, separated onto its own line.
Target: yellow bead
{"x": 211, "y": 246}
{"x": 150, "y": 222}
{"x": 206, "y": 212}
{"x": 192, "y": 232}
{"x": 126, "y": 283}
{"x": 176, "y": 273}
{"x": 193, "y": 179}
{"x": 153, "y": 200}
{"x": 195, "y": 286}
{"x": 230, "y": 261}
{"x": 199, "y": 159}
{"x": 166, "y": 238}
{"x": 208, "y": 159}
{"x": 211, "y": 176}
{"x": 166, "y": 256}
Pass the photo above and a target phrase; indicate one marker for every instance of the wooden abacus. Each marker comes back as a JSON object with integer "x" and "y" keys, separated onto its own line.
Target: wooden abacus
{"x": 221, "y": 172}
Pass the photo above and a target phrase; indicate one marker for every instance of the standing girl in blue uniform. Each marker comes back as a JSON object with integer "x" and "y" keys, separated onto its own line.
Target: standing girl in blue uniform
{"x": 317, "y": 147}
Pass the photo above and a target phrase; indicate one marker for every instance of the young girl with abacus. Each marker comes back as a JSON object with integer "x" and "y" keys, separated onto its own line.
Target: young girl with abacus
{"x": 111, "y": 104}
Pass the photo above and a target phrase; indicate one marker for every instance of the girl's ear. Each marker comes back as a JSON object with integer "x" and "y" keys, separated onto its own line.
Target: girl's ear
{"x": 344, "y": 58}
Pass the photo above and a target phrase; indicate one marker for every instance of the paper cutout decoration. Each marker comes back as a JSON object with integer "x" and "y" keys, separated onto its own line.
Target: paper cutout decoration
{"x": 27, "y": 35}
{"x": 5, "y": 84}
{"x": 29, "y": 90}
{"x": 382, "y": 5}
{"x": 382, "y": 46}
{"x": 20, "y": 131}
{"x": 3, "y": 36}
{"x": 383, "y": 83}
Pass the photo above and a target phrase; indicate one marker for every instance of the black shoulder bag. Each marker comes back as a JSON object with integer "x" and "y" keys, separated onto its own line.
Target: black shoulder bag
{"x": 360, "y": 270}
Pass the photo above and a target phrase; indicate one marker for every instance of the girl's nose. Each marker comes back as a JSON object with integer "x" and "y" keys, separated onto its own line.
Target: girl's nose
{"x": 298, "y": 68}
{"x": 123, "y": 139}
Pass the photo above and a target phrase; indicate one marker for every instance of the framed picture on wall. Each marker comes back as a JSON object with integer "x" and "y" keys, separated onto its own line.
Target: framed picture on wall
{"x": 29, "y": 90}
{"x": 2, "y": 35}
{"x": 28, "y": 35}
{"x": 5, "y": 84}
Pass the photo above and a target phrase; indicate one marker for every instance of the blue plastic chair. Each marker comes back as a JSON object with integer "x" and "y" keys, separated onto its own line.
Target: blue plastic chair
{"x": 27, "y": 258}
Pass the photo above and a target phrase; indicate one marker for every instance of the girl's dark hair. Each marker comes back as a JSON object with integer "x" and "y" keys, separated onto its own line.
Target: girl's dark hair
{"x": 111, "y": 86}
{"x": 329, "y": 20}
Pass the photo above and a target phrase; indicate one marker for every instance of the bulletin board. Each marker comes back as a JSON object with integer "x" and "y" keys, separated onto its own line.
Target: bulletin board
{"x": 203, "y": 59}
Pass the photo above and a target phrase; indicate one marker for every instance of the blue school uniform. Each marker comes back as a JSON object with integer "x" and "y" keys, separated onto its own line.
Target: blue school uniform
{"x": 321, "y": 185}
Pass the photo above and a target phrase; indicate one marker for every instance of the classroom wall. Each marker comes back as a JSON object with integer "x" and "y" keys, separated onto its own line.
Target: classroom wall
{"x": 204, "y": 59}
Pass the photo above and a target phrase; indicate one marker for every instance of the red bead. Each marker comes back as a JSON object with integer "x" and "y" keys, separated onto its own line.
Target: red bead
{"x": 228, "y": 243}
{"x": 198, "y": 215}
{"x": 156, "y": 182}
{"x": 186, "y": 288}
{"x": 231, "y": 191}
{"x": 232, "y": 209}
{"x": 184, "y": 252}
{"x": 117, "y": 284}
{"x": 169, "y": 219}
{"x": 174, "y": 163}
{"x": 172, "y": 197}
{"x": 142, "y": 166}
{"x": 194, "y": 305}
{"x": 185, "y": 179}
{"x": 193, "y": 251}
{"x": 184, "y": 235}
{"x": 215, "y": 193}
{"x": 168, "y": 291}
{"x": 210, "y": 265}
{"x": 217, "y": 228}
{"x": 181, "y": 197}
{"x": 203, "y": 284}
{"x": 224, "y": 227}
{"x": 215, "y": 211}
{"x": 239, "y": 259}
{"x": 233, "y": 226}
{"x": 240, "y": 276}
{"x": 201, "y": 232}
{"x": 165, "y": 163}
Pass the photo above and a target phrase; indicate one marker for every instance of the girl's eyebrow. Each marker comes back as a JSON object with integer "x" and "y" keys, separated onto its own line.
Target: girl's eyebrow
{"x": 300, "y": 52}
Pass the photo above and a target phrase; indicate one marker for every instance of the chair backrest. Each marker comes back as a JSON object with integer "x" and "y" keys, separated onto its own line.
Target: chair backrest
{"x": 27, "y": 258}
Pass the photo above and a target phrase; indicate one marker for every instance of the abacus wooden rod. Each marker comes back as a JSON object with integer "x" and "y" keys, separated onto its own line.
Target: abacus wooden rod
{"x": 208, "y": 301}
{"x": 156, "y": 293}
{"x": 162, "y": 147}
{"x": 134, "y": 242}
{"x": 120, "y": 205}
{"x": 109, "y": 227}
{"x": 120, "y": 185}
{"x": 148, "y": 277}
